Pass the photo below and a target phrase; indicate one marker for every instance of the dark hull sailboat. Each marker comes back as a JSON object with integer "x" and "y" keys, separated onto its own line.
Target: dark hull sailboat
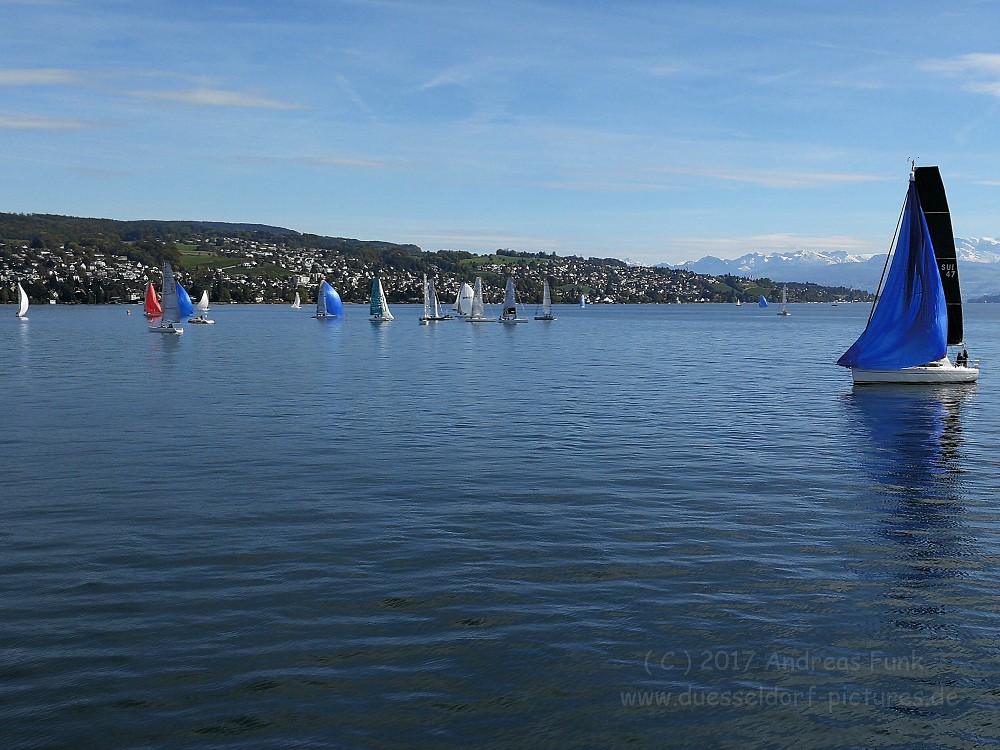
{"x": 918, "y": 309}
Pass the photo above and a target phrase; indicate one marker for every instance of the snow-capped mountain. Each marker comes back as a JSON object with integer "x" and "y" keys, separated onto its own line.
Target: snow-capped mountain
{"x": 978, "y": 264}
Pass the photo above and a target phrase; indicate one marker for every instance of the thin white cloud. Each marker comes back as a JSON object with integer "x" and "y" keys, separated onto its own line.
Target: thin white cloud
{"x": 209, "y": 97}
{"x": 982, "y": 71}
{"x": 982, "y": 63}
{"x": 600, "y": 187}
{"x": 775, "y": 178}
{"x": 30, "y": 122}
{"x": 37, "y": 76}
{"x": 322, "y": 162}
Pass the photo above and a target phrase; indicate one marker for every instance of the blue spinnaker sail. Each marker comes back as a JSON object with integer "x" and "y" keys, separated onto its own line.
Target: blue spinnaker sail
{"x": 333, "y": 304}
{"x": 763, "y": 301}
{"x": 184, "y": 301}
{"x": 909, "y": 325}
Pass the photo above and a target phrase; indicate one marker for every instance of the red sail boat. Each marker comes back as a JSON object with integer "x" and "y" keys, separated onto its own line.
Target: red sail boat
{"x": 153, "y": 309}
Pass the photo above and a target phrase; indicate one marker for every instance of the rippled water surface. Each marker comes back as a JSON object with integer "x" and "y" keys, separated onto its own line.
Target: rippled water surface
{"x": 639, "y": 526}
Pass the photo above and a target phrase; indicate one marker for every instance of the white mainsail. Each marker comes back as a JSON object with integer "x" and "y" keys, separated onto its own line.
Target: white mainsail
{"x": 433, "y": 299}
{"x": 297, "y": 304}
{"x": 168, "y": 297}
{"x": 203, "y": 302}
{"x": 546, "y": 303}
{"x": 464, "y": 301}
{"x": 477, "y": 299}
{"x": 22, "y": 302}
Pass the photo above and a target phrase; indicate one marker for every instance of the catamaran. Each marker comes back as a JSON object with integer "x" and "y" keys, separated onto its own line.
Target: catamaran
{"x": 917, "y": 313}
{"x": 431, "y": 307}
{"x": 546, "y": 304}
{"x": 171, "y": 308}
{"x": 509, "y": 312}
{"x": 378, "y": 307}
{"x": 328, "y": 302}
{"x": 477, "y": 315}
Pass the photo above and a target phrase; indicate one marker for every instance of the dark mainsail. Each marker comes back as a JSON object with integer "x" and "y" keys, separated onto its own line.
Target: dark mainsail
{"x": 934, "y": 203}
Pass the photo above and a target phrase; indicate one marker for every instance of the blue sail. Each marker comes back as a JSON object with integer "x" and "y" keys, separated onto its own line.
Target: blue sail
{"x": 184, "y": 301}
{"x": 333, "y": 304}
{"x": 909, "y": 325}
{"x": 763, "y": 301}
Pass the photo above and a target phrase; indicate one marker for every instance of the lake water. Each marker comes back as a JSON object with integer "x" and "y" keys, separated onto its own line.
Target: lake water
{"x": 639, "y": 526}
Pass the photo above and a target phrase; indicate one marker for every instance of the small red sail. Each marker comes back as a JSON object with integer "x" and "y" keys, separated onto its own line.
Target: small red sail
{"x": 153, "y": 308}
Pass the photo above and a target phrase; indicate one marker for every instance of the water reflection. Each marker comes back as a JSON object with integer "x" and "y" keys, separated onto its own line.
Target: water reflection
{"x": 915, "y": 463}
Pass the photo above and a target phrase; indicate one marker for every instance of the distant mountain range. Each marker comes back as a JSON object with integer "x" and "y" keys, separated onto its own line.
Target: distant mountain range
{"x": 978, "y": 267}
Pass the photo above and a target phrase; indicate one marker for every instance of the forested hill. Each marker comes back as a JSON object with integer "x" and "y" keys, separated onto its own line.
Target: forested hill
{"x": 85, "y": 260}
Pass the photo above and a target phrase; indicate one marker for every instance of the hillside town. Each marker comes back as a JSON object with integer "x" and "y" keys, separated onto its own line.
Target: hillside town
{"x": 262, "y": 267}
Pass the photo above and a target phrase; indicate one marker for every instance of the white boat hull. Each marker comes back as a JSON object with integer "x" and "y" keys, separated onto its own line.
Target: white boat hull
{"x": 171, "y": 330}
{"x": 925, "y": 374}
{"x": 202, "y": 321}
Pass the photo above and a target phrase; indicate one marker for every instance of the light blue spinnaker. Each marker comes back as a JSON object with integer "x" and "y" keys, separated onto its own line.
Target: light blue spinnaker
{"x": 909, "y": 325}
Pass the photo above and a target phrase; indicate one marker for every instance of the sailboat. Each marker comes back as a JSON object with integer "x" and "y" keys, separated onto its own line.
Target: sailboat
{"x": 763, "y": 301}
{"x": 478, "y": 309}
{"x": 152, "y": 304}
{"x": 463, "y": 303}
{"x": 203, "y": 309}
{"x": 509, "y": 312}
{"x": 546, "y": 304}
{"x": 297, "y": 304}
{"x": 328, "y": 302}
{"x": 22, "y": 302}
{"x": 738, "y": 302}
{"x": 432, "y": 310}
{"x": 583, "y": 300}
{"x": 784, "y": 301}
{"x": 917, "y": 313}
{"x": 379, "y": 308}
{"x": 170, "y": 305}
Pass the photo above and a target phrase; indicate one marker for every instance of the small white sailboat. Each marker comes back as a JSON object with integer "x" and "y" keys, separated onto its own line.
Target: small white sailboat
{"x": 583, "y": 300}
{"x": 546, "y": 313}
{"x": 378, "y": 307}
{"x": 297, "y": 303}
{"x": 477, "y": 314}
{"x": 22, "y": 302}
{"x": 432, "y": 310}
{"x": 509, "y": 312}
{"x": 171, "y": 307}
{"x": 917, "y": 313}
{"x": 784, "y": 301}
{"x": 202, "y": 307}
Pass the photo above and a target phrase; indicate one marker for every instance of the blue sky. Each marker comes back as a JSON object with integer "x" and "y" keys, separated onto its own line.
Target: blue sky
{"x": 654, "y": 131}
